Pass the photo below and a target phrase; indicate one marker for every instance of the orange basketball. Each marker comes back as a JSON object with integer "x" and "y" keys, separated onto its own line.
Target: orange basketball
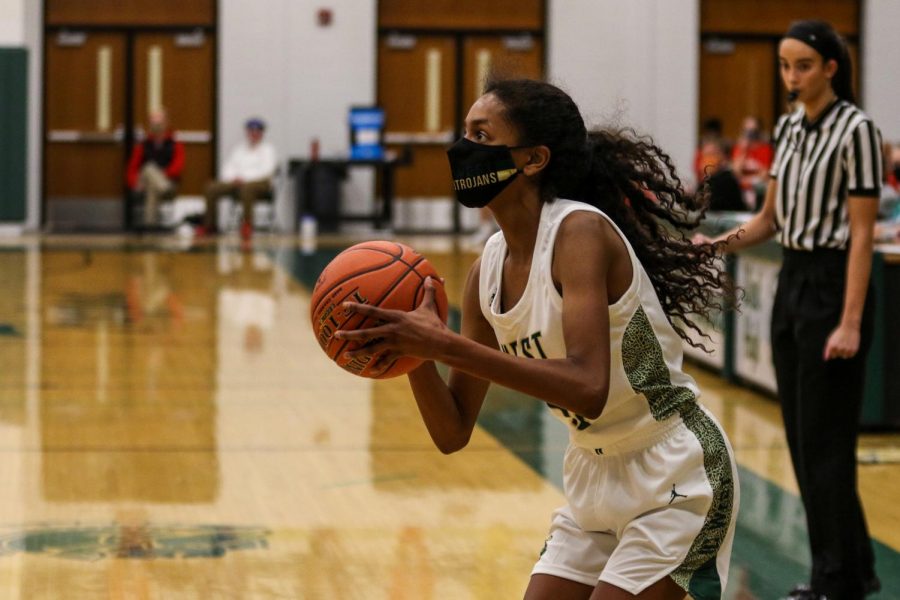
{"x": 385, "y": 274}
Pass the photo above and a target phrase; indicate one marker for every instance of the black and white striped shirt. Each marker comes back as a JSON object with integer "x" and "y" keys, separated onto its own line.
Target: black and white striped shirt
{"x": 817, "y": 166}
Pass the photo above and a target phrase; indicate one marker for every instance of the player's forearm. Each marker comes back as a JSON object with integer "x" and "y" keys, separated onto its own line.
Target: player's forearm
{"x": 755, "y": 231}
{"x": 448, "y": 425}
{"x": 566, "y": 383}
{"x": 859, "y": 270}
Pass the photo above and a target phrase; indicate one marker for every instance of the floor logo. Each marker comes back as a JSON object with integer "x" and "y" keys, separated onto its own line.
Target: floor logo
{"x": 84, "y": 542}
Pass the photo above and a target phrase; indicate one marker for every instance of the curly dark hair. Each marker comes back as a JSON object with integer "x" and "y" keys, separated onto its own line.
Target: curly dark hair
{"x": 635, "y": 183}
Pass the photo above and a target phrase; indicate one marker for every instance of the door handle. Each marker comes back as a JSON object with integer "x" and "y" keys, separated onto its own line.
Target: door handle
{"x": 433, "y": 58}
{"x": 104, "y": 87}
{"x": 193, "y": 136}
{"x": 75, "y": 136}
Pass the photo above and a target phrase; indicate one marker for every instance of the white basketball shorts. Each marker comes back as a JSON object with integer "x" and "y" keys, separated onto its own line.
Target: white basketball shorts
{"x": 662, "y": 504}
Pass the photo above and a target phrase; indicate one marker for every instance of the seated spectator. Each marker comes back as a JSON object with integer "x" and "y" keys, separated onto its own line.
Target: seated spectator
{"x": 889, "y": 204}
{"x": 246, "y": 175}
{"x": 751, "y": 159}
{"x": 712, "y": 132}
{"x": 892, "y": 174}
{"x": 155, "y": 165}
{"x": 724, "y": 189}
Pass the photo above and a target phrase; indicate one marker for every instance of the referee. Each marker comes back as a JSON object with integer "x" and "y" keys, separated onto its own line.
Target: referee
{"x": 821, "y": 202}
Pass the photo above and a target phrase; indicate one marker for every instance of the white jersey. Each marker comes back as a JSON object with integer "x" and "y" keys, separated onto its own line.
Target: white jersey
{"x": 647, "y": 385}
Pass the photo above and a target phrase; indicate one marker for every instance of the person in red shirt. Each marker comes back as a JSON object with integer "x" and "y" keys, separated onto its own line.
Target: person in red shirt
{"x": 705, "y": 163}
{"x": 751, "y": 158}
{"x": 155, "y": 165}
{"x": 892, "y": 173}
{"x": 724, "y": 189}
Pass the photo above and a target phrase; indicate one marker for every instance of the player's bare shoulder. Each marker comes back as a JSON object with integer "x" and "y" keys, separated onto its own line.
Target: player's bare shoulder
{"x": 584, "y": 233}
{"x": 474, "y": 271}
{"x": 471, "y": 289}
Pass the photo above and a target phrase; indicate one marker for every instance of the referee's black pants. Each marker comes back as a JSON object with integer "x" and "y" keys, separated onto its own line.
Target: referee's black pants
{"x": 821, "y": 402}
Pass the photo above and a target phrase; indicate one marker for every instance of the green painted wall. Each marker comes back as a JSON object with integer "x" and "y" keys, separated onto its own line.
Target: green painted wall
{"x": 13, "y": 132}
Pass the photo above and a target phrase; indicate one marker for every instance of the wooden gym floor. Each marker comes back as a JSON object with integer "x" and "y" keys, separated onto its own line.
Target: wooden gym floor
{"x": 169, "y": 428}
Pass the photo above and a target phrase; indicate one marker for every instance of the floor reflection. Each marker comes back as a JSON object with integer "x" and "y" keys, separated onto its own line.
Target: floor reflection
{"x": 127, "y": 382}
{"x": 13, "y": 324}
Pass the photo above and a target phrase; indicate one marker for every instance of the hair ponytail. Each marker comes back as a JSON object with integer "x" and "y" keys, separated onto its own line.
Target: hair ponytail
{"x": 842, "y": 83}
{"x": 635, "y": 183}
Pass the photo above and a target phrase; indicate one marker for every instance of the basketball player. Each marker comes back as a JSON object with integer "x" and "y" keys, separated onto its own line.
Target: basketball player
{"x": 576, "y": 301}
{"x": 822, "y": 201}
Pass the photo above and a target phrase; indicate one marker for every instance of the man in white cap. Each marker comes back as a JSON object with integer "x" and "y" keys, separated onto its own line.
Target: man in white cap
{"x": 246, "y": 175}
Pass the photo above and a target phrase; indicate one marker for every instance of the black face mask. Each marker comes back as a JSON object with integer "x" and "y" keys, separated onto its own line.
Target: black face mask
{"x": 480, "y": 172}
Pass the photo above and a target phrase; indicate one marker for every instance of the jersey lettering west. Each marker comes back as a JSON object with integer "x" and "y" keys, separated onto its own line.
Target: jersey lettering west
{"x": 529, "y": 347}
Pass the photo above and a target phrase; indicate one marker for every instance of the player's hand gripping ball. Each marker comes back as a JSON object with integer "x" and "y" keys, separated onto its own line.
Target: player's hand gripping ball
{"x": 385, "y": 274}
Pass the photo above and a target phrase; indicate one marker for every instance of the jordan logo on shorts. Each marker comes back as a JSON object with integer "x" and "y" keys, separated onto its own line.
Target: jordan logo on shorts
{"x": 547, "y": 541}
{"x": 675, "y": 495}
